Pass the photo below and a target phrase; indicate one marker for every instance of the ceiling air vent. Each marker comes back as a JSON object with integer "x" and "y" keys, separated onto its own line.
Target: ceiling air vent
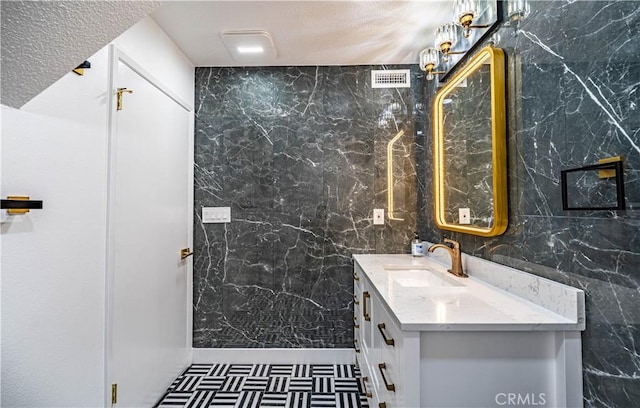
{"x": 392, "y": 78}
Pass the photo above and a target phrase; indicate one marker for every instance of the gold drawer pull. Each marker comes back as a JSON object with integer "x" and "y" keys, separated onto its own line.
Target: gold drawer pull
{"x": 355, "y": 323}
{"x": 382, "y": 405}
{"x": 356, "y": 277}
{"x": 355, "y": 345}
{"x": 390, "y": 387}
{"x": 365, "y": 314}
{"x": 390, "y": 342}
{"x": 367, "y": 393}
{"x": 355, "y": 300}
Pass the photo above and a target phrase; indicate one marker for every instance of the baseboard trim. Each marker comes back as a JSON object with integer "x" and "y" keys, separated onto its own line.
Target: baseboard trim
{"x": 273, "y": 356}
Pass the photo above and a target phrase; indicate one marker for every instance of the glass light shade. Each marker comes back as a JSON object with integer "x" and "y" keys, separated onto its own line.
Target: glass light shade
{"x": 465, "y": 12}
{"x": 446, "y": 38}
{"x": 517, "y": 9}
{"x": 429, "y": 59}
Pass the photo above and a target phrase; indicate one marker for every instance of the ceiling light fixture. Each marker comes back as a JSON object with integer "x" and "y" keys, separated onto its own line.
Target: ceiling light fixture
{"x": 250, "y": 47}
{"x": 250, "y": 50}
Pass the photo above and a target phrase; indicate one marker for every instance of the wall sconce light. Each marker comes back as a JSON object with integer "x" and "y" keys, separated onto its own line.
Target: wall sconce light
{"x": 486, "y": 16}
{"x": 429, "y": 61}
{"x": 466, "y": 13}
{"x": 446, "y": 39}
{"x": 517, "y": 10}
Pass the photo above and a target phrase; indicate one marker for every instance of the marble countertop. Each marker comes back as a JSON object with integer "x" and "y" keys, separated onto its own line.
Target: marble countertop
{"x": 433, "y": 299}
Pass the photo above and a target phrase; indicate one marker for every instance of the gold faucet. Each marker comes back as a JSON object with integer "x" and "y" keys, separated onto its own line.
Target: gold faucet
{"x": 456, "y": 257}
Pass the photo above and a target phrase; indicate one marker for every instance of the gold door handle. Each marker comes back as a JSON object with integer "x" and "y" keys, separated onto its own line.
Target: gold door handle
{"x": 119, "y": 93}
{"x": 185, "y": 253}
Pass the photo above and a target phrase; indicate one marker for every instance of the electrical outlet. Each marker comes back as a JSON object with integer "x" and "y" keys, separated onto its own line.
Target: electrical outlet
{"x": 378, "y": 216}
{"x": 464, "y": 215}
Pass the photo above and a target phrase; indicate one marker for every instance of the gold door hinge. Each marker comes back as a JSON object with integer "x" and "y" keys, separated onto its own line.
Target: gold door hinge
{"x": 114, "y": 393}
{"x": 119, "y": 93}
{"x": 185, "y": 253}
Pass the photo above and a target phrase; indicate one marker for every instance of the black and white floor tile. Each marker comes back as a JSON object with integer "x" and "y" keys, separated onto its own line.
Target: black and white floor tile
{"x": 268, "y": 386}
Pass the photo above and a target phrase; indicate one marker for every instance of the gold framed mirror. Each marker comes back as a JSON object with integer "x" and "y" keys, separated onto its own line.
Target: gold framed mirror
{"x": 469, "y": 148}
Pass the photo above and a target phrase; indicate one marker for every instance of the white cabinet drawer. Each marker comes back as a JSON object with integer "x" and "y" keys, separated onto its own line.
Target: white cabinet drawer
{"x": 388, "y": 337}
{"x": 389, "y": 340}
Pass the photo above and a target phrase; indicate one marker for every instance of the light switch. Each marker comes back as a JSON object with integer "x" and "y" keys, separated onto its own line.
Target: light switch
{"x": 212, "y": 215}
{"x": 464, "y": 215}
{"x": 378, "y": 216}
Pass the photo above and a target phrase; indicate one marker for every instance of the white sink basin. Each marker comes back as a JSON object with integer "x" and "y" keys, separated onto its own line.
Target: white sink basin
{"x": 418, "y": 277}
{"x": 393, "y": 267}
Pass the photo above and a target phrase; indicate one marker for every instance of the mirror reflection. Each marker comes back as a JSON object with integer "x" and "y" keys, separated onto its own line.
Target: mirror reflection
{"x": 469, "y": 148}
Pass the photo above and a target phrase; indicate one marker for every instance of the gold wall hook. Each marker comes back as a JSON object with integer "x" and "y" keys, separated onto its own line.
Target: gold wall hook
{"x": 80, "y": 68}
{"x": 17, "y": 211}
{"x": 185, "y": 253}
{"x": 119, "y": 93}
{"x": 17, "y": 205}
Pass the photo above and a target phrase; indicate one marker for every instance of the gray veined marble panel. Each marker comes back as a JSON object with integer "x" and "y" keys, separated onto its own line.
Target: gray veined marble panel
{"x": 543, "y": 140}
{"x": 292, "y": 151}
{"x": 347, "y": 93}
{"x": 298, "y": 162}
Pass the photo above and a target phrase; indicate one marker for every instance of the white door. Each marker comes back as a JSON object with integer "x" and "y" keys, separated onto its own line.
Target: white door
{"x": 149, "y": 224}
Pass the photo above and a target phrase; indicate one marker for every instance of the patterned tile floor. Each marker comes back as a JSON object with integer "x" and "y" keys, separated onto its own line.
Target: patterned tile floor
{"x": 267, "y": 385}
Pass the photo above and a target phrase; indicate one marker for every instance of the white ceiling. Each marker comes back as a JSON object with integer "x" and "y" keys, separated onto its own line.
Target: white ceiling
{"x": 307, "y": 32}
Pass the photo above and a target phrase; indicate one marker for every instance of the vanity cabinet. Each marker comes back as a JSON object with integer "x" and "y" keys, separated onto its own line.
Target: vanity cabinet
{"x": 389, "y": 374}
{"x": 416, "y": 348}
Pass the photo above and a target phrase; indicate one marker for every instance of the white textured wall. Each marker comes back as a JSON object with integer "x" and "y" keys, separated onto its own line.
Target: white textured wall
{"x": 53, "y": 260}
{"x": 43, "y": 40}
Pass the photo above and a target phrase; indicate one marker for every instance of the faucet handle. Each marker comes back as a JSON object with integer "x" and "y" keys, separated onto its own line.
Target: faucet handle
{"x": 456, "y": 244}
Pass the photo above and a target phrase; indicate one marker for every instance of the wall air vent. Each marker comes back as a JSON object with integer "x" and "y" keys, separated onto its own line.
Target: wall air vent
{"x": 391, "y": 78}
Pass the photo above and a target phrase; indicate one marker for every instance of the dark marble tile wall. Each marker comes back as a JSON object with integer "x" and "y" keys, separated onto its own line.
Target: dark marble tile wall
{"x": 299, "y": 154}
{"x": 573, "y": 98}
